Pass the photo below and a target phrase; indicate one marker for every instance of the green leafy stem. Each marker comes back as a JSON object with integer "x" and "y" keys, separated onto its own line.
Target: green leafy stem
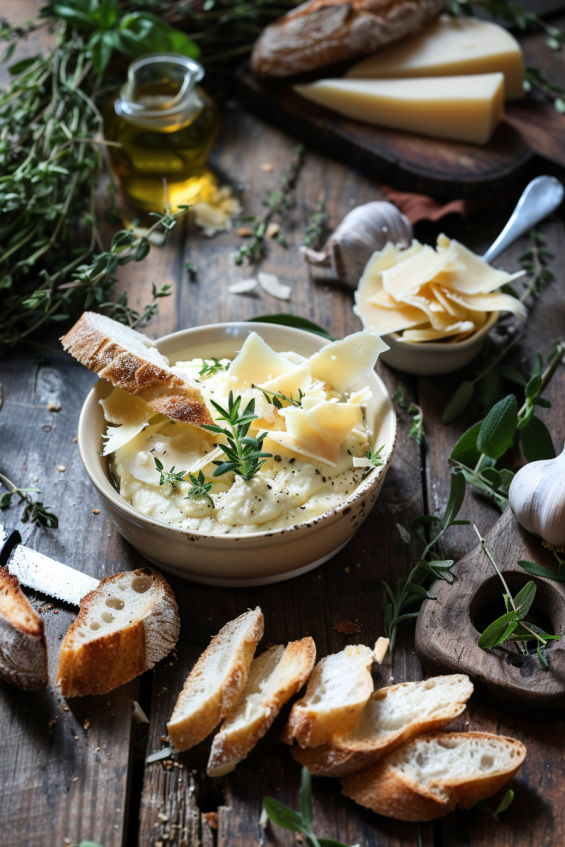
{"x": 34, "y": 511}
{"x": 244, "y": 455}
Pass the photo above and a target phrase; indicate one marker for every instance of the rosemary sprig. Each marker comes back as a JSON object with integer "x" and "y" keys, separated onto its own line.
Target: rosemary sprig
{"x": 34, "y": 511}
{"x": 200, "y": 488}
{"x": 375, "y": 458}
{"x": 213, "y": 368}
{"x": 245, "y": 456}
{"x": 278, "y": 201}
{"x": 277, "y": 398}
{"x": 535, "y": 261}
{"x": 429, "y": 567}
{"x": 315, "y": 229}
{"x": 172, "y": 477}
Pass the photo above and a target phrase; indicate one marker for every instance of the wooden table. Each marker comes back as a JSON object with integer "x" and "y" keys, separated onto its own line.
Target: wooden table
{"x": 72, "y": 770}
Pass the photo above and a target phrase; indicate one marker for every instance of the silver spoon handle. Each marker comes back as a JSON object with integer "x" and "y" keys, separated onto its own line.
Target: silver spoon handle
{"x": 541, "y": 197}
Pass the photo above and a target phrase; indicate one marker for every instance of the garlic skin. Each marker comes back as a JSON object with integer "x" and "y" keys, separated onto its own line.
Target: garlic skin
{"x": 363, "y": 231}
{"x": 537, "y": 499}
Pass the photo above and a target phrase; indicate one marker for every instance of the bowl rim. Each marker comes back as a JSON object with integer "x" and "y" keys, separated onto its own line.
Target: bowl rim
{"x": 439, "y": 345}
{"x": 111, "y": 494}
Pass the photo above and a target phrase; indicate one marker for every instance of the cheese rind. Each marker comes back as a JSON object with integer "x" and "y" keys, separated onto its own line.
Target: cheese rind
{"x": 450, "y": 47}
{"x": 441, "y": 107}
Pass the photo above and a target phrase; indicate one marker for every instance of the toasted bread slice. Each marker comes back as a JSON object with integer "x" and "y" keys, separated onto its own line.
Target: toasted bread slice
{"x": 127, "y": 624}
{"x": 426, "y": 777}
{"x": 216, "y": 681}
{"x": 337, "y": 692}
{"x": 23, "y": 649}
{"x": 131, "y": 361}
{"x": 273, "y": 679}
{"x": 392, "y": 716}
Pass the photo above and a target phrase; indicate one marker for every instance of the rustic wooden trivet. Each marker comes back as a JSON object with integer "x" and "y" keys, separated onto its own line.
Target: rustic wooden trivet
{"x": 447, "y": 638}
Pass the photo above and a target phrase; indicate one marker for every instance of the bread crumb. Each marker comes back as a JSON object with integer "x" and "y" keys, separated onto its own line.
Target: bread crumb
{"x": 266, "y": 167}
{"x": 76, "y": 737}
{"x": 35, "y": 478}
{"x": 244, "y": 232}
{"x": 53, "y": 406}
{"x": 56, "y": 612}
{"x": 273, "y": 230}
{"x": 165, "y": 739}
{"x": 211, "y": 818}
{"x": 97, "y": 750}
{"x": 347, "y": 627}
{"x": 381, "y": 647}
{"x": 96, "y": 511}
{"x": 51, "y": 725}
{"x": 161, "y": 816}
{"x": 358, "y": 565}
{"x": 86, "y": 724}
{"x": 347, "y": 570}
{"x": 75, "y": 440}
{"x": 74, "y": 779}
{"x": 61, "y": 468}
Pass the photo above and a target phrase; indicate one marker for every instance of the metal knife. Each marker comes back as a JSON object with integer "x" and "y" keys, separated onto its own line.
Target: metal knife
{"x": 64, "y": 583}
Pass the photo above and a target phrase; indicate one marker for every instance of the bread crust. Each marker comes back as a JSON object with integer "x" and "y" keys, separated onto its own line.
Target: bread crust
{"x": 192, "y": 721}
{"x": 104, "y": 663}
{"x": 322, "y": 32}
{"x": 159, "y": 386}
{"x": 23, "y": 647}
{"x": 295, "y": 666}
{"x": 387, "y": 791}
{"x": 343, "y": 757}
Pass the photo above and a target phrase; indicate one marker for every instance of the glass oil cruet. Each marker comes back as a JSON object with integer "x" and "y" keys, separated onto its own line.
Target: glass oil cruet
{"x": 165, "y": 124}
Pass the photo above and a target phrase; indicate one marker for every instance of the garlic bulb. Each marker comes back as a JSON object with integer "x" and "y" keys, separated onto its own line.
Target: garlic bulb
{"x": 537, "y": 499}
{"x": 363, "y": 231}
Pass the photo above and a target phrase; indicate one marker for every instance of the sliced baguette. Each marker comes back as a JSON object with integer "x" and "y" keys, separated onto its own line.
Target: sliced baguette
{"x": 131, "y": 361}
{"x": 127, "y": 624}
{"x": 392, "y": 716}
{"x": 23, "y": 648}
{"x": 273, "y": 679}
{"x": 426, "y": 777}
{"x": 337, "y": 692}
{"x": 215, "y": 683}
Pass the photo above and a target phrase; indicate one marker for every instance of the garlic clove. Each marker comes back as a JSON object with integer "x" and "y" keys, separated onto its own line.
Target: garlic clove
{"x": 537, "y": 500}
{"x": 362, "y": 232}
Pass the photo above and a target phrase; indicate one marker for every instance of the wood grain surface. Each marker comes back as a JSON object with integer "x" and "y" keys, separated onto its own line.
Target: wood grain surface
{"x": 117, "y": 799}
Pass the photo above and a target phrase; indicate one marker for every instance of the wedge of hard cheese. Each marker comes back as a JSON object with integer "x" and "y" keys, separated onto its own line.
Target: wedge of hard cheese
{"x": 460, "y": 109}
{"x": 450, "y": 47}
{"x": 130, "y": 360}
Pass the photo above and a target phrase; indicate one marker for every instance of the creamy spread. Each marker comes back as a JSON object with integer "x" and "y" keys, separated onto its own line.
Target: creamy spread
{"x": 318, "y": 438}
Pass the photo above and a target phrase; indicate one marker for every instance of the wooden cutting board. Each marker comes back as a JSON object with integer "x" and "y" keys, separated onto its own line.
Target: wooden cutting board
{"x": 444, "y": 169}
{"x": 447, "y": 631}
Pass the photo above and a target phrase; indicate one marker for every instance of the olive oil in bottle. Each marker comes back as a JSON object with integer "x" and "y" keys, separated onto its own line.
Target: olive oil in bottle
{"x": 166, "y": 125}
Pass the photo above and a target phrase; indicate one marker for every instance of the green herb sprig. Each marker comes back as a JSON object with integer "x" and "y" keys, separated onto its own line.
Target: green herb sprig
{"x": 278, "y": 201}
{"x": 504, "y": 804}
{"x": 513, "y": 626}
{"x": 277, "y": 398}
{"x": 212, "y": 366}
{"x": 315, "y": 229}
{"x": 200, "y": 489}
{"x": 375, "y": 458}
{"x": 486, "y": 442}
{"x": 34, "y": 511}
{"x": 172, "y": 477}
{"x": 245, "y": 455}
{"x": 429, "y": 567}
{"x": 301, "y": 821}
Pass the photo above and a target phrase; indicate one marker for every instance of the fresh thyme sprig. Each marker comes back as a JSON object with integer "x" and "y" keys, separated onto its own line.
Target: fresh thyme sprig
{"x": 375, "y": 458}
{"x": 245, "y": 456}
{"x": 278, "y": 201}
{"x": 430, "y": 565}
{"x": 315, "y": 229}
{"x": 513, "y": 626}
{"x": 213, "y": 368}
{"x": 34, "y": 511}
{"x": 200, "y": 489}
{"x": 535, "y": 261}
{"x": 417, "y": 428}
{"x": 172, "y": 477}
{"x": 277, "y": 398}
{"x": 301, "y": 821}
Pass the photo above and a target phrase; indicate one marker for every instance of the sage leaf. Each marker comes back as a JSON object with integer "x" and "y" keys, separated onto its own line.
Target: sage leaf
{"x": 513, "y": 375}
{"x": 456, "y": 497}
{"x": 498, "y": 428}
{"x": 498, "y": 630}
{"x": 524, "y": 599}
{"x": 283, "y": 816}
{"x": 533, "y": 387}
{"x": 294, "y": 321}
{"x": 542, "y": 659}
{"x": 492, "y": 476}
{"x": 536, "y": 441}
{"x": 417, "y": 589}
{"x": 539, "y": 570}
{"x": 466, "y": 450}
{"x": 458, "y": 402}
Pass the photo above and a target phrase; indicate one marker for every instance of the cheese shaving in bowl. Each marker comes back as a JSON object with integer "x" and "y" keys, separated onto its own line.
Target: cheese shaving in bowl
{"x": 311, "y": 415}
{"x": 447, "y": 294}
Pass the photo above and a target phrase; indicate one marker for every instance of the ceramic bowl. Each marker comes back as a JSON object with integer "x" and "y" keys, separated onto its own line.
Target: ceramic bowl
{"x": 253, "y": 558}
{"x": 434, "y": 358}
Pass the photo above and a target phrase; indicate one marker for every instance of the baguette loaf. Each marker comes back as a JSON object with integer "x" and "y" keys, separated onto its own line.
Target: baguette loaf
{"x": 127, "y": 624}
{"x": 215, "y": 683}
{"x": 131, "y": 361}
{"x": 426, "y": 777}
{"x": 273, "y": 679}
{"x": 392, "y": 716}
{"x": 321, "y": 32}
{"x": 23, "y": 649}
{"x": 337, "y": 692}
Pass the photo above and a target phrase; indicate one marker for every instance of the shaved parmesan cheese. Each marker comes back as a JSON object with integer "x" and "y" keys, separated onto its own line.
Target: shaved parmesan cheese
{"x": 118, "y": 436}
{"x": 256, "y": 363}
{"x": 438, "y": 318}
{"x": 243, "y": 286}
{"x": 494, "y": 302}
{"x": 474, "y": 276}
{"x": 216, "y": 454}
{"x": 341, "y": 363}
{"x": 361, "y": 397}
{"x": 312, "y": 448}
{"x": 385, "y": 321}
{"x": 437, "y": 334}
{"x": 291, "y": 382}
{"x": 121, "y": 407}
{"x": 181, "y": 451}
{"x": 407, "y": 276}
{"x": 270, "y": 283}
{"x": 335, "y": 420}
{"x": 362, "y": 462}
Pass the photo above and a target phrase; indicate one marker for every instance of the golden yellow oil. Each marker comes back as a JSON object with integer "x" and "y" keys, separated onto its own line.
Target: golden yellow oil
{"x": 177, "y": 154}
